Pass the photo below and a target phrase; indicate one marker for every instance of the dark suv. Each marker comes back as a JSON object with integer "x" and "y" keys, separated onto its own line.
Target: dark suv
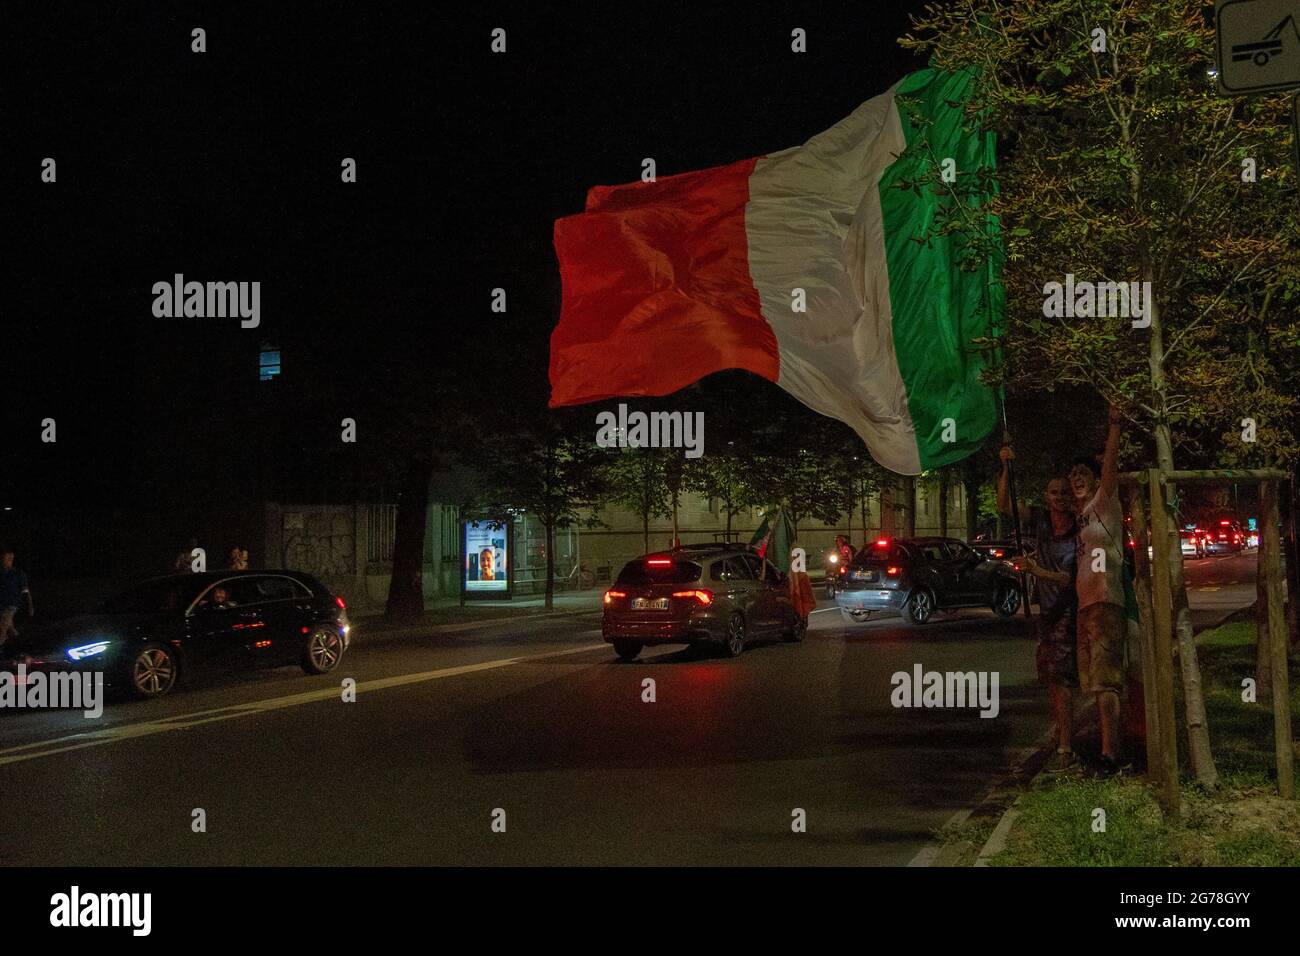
{"x": 1225, "y": 537}
{"x": 148, "y": 636}
{"x": 915, "y": 577}
{"x": 722, "y": 594}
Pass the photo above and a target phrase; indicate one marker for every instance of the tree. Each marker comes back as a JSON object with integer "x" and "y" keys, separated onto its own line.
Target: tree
{"x": 804, "y": 485}
{"x": 859, "y": 477}
{"x": 721, "y": 475}
{"x": 635, "y": 479}
{"x": 550, "y": 468}
{"x": 1121, "y": 163}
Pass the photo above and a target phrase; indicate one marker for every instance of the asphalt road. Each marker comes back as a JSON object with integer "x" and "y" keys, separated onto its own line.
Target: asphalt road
{"x": 1220, "y": 584}
{"x": 539, "y": 720}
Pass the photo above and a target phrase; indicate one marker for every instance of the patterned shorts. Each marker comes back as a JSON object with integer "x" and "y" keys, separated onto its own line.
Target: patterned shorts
{"x": 1101, "y": 648}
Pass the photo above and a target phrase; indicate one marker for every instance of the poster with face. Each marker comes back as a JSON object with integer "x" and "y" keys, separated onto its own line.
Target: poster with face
{"x": 486, "y": 566}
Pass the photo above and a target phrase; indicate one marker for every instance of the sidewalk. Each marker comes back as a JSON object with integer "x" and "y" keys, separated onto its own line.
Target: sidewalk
{"x": 447, "y": 616}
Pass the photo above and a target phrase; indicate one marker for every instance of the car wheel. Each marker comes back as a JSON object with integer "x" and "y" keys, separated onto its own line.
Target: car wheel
{"x": 152, "y": 672}
{"x": 830, "y": 591}
{"x": 734, "y": 641}
{"x": 795, "y": 632}
{"x": 323, "y": 651}
{"x": 1007, "y": 602}
{"x": 627, "y": 650}
{"x": 920, "y": 608}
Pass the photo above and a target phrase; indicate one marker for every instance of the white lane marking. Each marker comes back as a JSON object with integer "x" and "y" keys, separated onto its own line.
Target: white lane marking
{"x": 46, "y": 748}
{"x": 820, "y": 609}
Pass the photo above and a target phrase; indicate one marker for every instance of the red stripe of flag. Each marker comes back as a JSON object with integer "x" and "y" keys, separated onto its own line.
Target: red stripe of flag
{"x": 657, "y": 290}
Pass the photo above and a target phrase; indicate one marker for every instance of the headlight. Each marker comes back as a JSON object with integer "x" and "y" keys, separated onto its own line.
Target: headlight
{"x": 87, "y": 650}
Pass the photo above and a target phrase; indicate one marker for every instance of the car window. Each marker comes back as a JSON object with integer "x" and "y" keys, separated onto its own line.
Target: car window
{"x": 752, "y": 565}
{"x": 773, "y": 572}
{"x": 150, "y": 598}
{"x": 645, "y": 571}
{"x": 275, "y": 589}
{"x": 883, "y": 551}
{"x": 932, "y": 552}
{"x": 726, "y": 570}
{"x": 238, "y": 592}
{"x": 961, "y": 552}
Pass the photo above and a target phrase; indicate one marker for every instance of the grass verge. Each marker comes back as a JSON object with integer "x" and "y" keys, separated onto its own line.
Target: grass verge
{"x": 1241, "y": 823}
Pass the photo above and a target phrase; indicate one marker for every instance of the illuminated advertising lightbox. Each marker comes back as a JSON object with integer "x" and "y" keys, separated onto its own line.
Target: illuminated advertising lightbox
{"x": 487, "y": 557}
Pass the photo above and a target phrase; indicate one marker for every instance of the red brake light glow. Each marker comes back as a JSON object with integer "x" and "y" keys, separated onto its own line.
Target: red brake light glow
{"x": 610, "y": 595}
{"x": 882, "y": 542}
{"x": 704, "y": 597}
{"x": 659, "y": 562}
{"x": 341, "y": 603}
{"x": 891, "y": 570}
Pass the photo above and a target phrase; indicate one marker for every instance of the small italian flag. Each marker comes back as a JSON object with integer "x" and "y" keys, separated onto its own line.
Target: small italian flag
{"x": 807, "y": 267}
{"x": 773, "y": 539}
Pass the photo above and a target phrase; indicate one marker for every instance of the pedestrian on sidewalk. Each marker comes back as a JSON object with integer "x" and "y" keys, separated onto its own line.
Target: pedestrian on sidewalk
{"x": 14, "y": 594}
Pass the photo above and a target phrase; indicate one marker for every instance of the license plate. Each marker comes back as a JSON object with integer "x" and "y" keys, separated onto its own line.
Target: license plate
{"x": 650, "y": 604}
{"x": 864, "y": 575}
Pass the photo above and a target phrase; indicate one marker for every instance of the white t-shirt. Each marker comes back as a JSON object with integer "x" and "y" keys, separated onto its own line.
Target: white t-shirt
{"x": 1101, "y": 526}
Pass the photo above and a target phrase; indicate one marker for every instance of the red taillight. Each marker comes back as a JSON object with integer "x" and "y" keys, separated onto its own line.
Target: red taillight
{"x": 891, "y": 571}
{"x": 1225, "y": 523}
{"x": 341, "y": 603}
{"x": 999, "y": 553}
{"x": 659, "y": 562}
{"x": 704, "y": 597}
{"x": 844, "y": 569}
{"x": 610, "y": 595}
{"x": 882, "y": 542}
{"x": 1015, "y": 565}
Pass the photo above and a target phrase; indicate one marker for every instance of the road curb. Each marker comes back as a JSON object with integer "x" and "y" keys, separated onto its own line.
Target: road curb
{"x": 997, "y": 840}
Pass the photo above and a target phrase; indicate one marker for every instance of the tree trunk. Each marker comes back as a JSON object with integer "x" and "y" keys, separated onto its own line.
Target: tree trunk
{"x": 865, "y": 531}
{"x": 406, "y": 586}
{"x": 943, "y": 502}
{"x": 909, "y": 505}
{"x": 1198, "y": 730}
{"x": 970, "y": 485}
{"x": 550, "y": 563}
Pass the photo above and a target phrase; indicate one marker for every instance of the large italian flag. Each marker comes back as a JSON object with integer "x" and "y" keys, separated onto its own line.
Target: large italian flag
{"x": 666, "y": 282}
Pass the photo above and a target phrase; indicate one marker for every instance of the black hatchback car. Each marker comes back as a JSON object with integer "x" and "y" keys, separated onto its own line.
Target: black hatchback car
{"x": 915, "y": 577}
{"x": 147, "y": 637}
{"x": 721, "y": 594}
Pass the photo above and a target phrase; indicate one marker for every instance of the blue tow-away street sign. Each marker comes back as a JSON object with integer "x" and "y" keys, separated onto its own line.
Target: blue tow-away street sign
{"x": 1257, "y": 45}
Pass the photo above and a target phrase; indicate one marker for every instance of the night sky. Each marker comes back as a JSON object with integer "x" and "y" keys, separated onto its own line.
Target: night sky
{"x": 226, "y": 166}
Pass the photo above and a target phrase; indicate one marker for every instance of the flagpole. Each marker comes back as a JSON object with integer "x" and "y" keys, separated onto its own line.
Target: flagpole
{"x": 1015, "y": 505}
